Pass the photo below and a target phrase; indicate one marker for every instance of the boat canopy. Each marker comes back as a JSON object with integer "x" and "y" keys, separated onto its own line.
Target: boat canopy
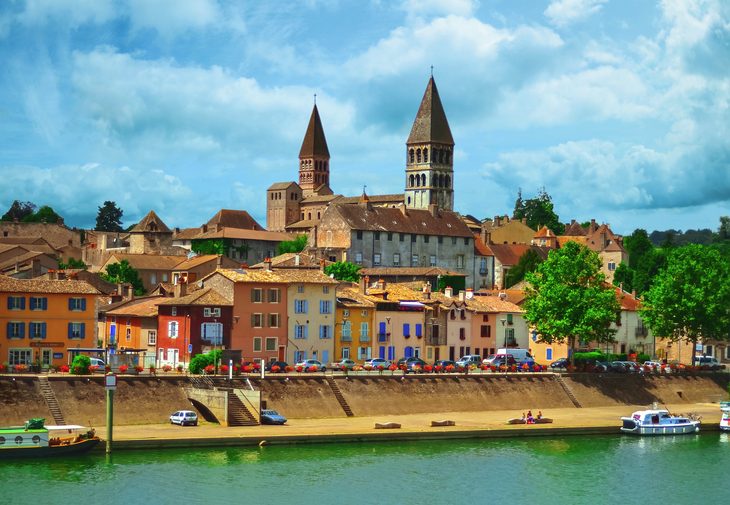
{"x": 66, "y": 427}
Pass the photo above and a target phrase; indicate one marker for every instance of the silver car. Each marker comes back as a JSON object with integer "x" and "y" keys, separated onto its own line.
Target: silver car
{"x": 376, "y": 362}
{"x": 183, "y": 417}
{"x": 308, "y": 363}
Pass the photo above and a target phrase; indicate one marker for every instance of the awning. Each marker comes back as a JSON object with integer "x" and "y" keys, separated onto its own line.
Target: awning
{"x": 411, "y": 304}
{"x": 82, "y": 349}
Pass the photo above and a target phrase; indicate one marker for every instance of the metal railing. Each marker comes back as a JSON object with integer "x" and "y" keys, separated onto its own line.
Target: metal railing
{"x": 383, "y": 337}
{"x": 364, "y": 338}
{"x": 346, "y": 338}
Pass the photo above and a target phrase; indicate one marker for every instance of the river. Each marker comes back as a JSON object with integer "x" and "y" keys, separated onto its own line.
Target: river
{"x": 595, "y": 470}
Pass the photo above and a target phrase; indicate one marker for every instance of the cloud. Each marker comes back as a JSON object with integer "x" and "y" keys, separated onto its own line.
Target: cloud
{"x": 562, "y": 13}
{"x": 427, "y": 8}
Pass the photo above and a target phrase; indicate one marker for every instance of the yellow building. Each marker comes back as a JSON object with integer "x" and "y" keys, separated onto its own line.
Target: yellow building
{"x": 354, "y": 326}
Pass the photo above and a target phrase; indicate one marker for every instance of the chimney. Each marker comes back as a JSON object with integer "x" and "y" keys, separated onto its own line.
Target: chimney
{"x": 177, "y": 230}
{"x": 621, "y": 287}
{"x": 433, "y": 210}
{"x": 462, "y": 296}
{"x": 362, "y": 288}
{"x": 219, "y": 262}
{"x": 181, "y": 288}
{"x": 469, "y": 293}
{"x": 60, "y": 221}
{"x": 633, "y": 294}
{"x": 365, "y": 202}
{"x": 296, "y": 260}
{"x": 381, "y": 284}
{"x": 496, "y": 221}
{"x": 524, "y": 221}
{"x": 427, "y": 291}
{"x": 267, "y": 264}
{"x": 567, "y": 226}
{"x": 403, "y": 210}
{"x": 593, "y": 221}
{"x": 321, "y": 266}
{"x": 572, "y": 221}
{"x": 17, "y": 267}
{"x": 35, "y": 268}
{"x": 448, "y": 292}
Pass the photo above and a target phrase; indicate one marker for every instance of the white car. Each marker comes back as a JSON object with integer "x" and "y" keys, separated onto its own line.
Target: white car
{"x": 183, "y": 417}
{"x": 308, "y": 363}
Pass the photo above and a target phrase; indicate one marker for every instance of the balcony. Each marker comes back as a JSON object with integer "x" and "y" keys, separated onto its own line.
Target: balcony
{"x": 641, "y": 331}
{"x": 364, "y": 338}
{"x": 346, "y": 338}
{"x": 383, "y": 337}
{"x": 436, "y": 341}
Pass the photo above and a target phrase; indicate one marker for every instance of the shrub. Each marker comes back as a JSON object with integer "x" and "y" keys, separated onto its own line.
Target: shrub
{"x": 276, "y": 369}
{"x": 209, "y": 369}
{"x": 64, "y": 368}
{"x": 3, "y": 368}
{"x": 224, "y": 369}
{"x": 166, "y": 368}
{"x": 80, "y": 365}
{"x": 180, "y": 368}
{"x": 107, "y": 369}
{"x": 200, "y": 361}
{"x": 138, "y": 368}
{"x": 641, "y": 358}
{"x": 313, "y": 368}
{"x": 450, "y": 368}
{"x": 24, "y": 368}
{"x": 392, "y": 367}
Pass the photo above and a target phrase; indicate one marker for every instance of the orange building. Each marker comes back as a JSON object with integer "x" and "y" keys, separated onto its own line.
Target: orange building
{"x": 43, "y": 319}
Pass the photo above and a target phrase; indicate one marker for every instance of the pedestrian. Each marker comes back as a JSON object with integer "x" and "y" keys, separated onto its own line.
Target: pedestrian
{"x": 539, "y": 415}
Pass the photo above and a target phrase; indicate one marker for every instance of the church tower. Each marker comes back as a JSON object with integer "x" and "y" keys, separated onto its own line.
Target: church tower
{"x": 314, "y": 159}
{"x": 429, "y": 163}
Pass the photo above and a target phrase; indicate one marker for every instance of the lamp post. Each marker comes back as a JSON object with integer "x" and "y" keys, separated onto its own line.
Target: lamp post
{"x": 504, "y": 329}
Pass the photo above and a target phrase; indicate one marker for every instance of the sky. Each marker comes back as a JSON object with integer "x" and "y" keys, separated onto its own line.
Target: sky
{"x": 619, "y": 108}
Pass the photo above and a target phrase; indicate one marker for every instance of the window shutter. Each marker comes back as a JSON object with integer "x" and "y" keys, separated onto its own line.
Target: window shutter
{"x": 22, "y": 330}
{"x": 253, "y": 294}
{"x": 83, "y": 304}
{"x": 70, "y": 304}
{"x": 83, "y": 330}
{"x": 306, "y": 306}
{"x": 419, "y": 331}
{"x": 278, "y": 320}
{"x": 381, "y": 352}
{"x": 253, "y": 320}
{"x": 22, "y": 303}
{"x": 45, "y": 303}
{"x": 509, "y": 318}
{"x": 321, "y": 331}
{"x": 325, "y": 356}
{"x": 70, "y": 330}
{"x": 406, "y": 329}
{"x": 10, "y": 302}
{"x": 382, "y": 329}
{"x": 321, "y": 306}
{"x": 306, "y": 332}
{"x": 10, "y": 330}
{"x": 43, "y": 330}
{"x": 32, "y": 303}
{"x": 31, "y": 329}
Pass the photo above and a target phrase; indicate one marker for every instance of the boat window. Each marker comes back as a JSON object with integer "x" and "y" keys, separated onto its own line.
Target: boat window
{"x": 655, "y": 418}
{"x": 2, "y": 440}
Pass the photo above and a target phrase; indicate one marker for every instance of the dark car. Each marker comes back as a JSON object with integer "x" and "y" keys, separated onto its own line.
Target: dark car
{"x": 281, "y": 364}
{"x": 446, "y": 362}
{"x": 561, "y": 363}
{"x": 255, "y": 366}
{"x": 272, "y": 417}
{"x": 498, "y": 362}
{"x": 411, "y": 362}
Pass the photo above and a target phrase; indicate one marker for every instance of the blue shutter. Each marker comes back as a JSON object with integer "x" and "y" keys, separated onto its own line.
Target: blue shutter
{"x": 304, "y": 355}
{"x": 418, "y": 330}
{"x": 306, "y": 306}
{"x": 32, "y": 303}
{"x": 329, "y": 333}
{"x": 406, "y": 329}
{"x": 409, "y": 352}
{"x": 306, "y": 333}
{"x": 83, "y": 304}
{"x": 382, "y": 328}
{"x": 22, "y": 330}
{"x": 549, "y": 354}
{"x": 321, "y": 307}
{"x": 43, "y": 330}
{"x": 325, "y": 357}
{"x": 70, "y": 304}
{"x": 45, "y": 303}
{"x": 83, "y": 330}
{"x": 381, "y": 352}
{"x": 10, "y": 330}
{"x": 10, "y": 302}
{"x": 321, "y": 331}
{"x": 22, "y": 303}
{"x": 391, "y": 353}
{"x": 70, "y": 330}
{"x": 31, "y": 329}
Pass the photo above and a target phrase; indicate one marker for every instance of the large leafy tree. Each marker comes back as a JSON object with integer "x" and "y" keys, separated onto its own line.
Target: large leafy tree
{"x": 122, "y": 272}
{"x": 343, "y": 271}
{"x": 292, "y": 246}
{"x": 637, "y": 244}
{"x": 690, "y": 298}
{"x": 109, "y": 218}
{"x": 44, "y": 213}
{"x": 528, "y": 263}
{"x": 538, "y": 211}
{"x": 19, "y": 210}
{"x": 569, "y": 298}
{"x": 645, "y": 262}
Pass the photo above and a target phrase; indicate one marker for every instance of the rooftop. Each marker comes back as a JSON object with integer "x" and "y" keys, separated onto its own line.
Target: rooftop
{"x": 10, "y": 285}
{"x": 206, "y": 297}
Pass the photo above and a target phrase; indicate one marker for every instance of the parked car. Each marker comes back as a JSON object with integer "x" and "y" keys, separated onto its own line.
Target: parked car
{"x": 410, "y": 362}
{"x": 376, "y": 362}
{"x": 244, "y": 364}
{"x": 446, "y": 362}
{"x": 625, "y": 366}
{"x": 707, "y": 360}
{"x": 347, "y": 363}
{"x": 560, "y": 363}
{"x": 183, "y": 417}
{"x": 308, "y": 363}
{"x": 498, "y": 362}
{"x": 99, "y": 363}
{"x": 281, "y": 364}
{"x": 607, "y": 367}
{"x": 272, "y": 417}
{"x": 489, "y": 360}
{"x": 470, "y": 359}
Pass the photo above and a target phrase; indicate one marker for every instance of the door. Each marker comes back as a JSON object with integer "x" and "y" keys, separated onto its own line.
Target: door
{"x": 409, "y": 352}
{"x": 325, "y": 357}
{"x": 282, "y": 351}
{"x": 172, "y": 356}
{"x": 46, "y": 356}
{"x": 452, "y": 352}
{"x": 437, "y": 354}
{"x": 162, "y": 357}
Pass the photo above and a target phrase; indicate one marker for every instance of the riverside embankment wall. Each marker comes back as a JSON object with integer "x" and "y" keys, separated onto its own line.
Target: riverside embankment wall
{"x": 143, "y": 400}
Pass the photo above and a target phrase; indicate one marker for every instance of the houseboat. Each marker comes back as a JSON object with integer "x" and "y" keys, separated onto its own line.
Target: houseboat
{"x": 725, "y": 421}
{"x": 658, "y": 422}
{"x": 35, "y": 440}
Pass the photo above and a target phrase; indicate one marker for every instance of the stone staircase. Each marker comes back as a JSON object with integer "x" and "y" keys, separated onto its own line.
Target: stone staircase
{"x": 338, "y": 394}
{"x": 51, "y": 400}
{"x": 238, "y": 413}
{"x": 202, "y": 381}
{"x": 568, "y": 391}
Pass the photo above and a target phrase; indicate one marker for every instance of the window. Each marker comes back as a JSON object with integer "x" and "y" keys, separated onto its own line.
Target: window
{"x": 462, "y": 333}
{"x": 419, "y": 330}
{"x": 346, "y": 331}
{"x": 509, "y": 335}
{"x": 301, "y": 331}
{"x": 37, "y": 330}
{"x": 364, "y": 332}
{"x": 153, "y": 279}
{"x": 256, "y": 320}
{"x": 16, "y": 330}
{"x": 216, "y": 312}
{"x": 76, "y": 331}
{"x": 414, "y": 260}
{"x": 433, "y": 260}
{"x": 274, "y": 295}
{"x": 300, "y": 289}
{"x": 406, "y": 330}
{"x": 129, "y": 334}
{"x": 325, "y": 289}
{"x": 164, "y": 277}
{"x": 359, "y": 234}
{"x": 376, "y": 260}
{"x": 174, "y": 311}
{"x": 152, "y": 338}
{"x": 257, "y": 344}
{"x": 441, "y": 239}
{"x": 206, "y": 312}
{"x": 612, "y": 265}
{"x": 325, "y": 331}
{"x": 345, "y": 353}
{"x": 129, "y": 321}
{"x": 274, "y": 320}
{"x": 271, "y": 343}
{"x": 396, "y": 260}
{"x": 38, "y": 303}
{"x": 453, "y": 240}
{"x": 75, "y": 304}
{"x": 459, "y": 261}
{"x": 364, "y": 313}
{"x": 325, "y": 307}
{"x": 213, "y": 332}
{"x": 345, "y": 312}
{"x": 486, "y": 331}
{"x": 377, "y": 235}
{"x": 364, "y": 353}
{"x": 172, "y": 329}
{"x": 390, "y": 236}
{"x": 483, "y": 266}
{"x": 256, "y": 295}
{"x": 414, "y": 237}
{"x": 401, "y": 237}
{"x": 301, "y": 306}
{"x": 466, "y": 241}
{"x": 358, "y": 258}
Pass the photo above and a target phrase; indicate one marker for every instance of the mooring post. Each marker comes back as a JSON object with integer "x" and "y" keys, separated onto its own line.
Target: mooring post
{"x": 109, "y": 419}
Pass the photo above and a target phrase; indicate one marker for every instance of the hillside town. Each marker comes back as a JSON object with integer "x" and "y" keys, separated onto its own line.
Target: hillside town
{"x": 433, "y": 284}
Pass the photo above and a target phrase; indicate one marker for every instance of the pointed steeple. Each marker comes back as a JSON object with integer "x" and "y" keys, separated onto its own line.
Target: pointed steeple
{"x": 314, "y": 142}
{"x": 314, "y": 159}
{"x": 431, "y": 125}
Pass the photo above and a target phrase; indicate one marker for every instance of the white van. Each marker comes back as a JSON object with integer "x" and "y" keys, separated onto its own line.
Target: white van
{"x": 706, "y": 360}
{"x": 519, "y": 355}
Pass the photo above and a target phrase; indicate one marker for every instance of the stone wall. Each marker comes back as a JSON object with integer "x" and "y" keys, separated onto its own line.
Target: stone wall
{"x": 20, "y": 400}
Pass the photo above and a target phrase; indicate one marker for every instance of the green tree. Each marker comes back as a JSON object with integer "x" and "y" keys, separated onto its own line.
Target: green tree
{"x": 83, "y": 362}
{"x": 44, "y": 213}
{"x": 73, "y": 264}
{"x": 19, "y": 210}
{"x": 130, "y": 227}
{"x": 650, "y": 265}
{"x": 538, "y": 211}
{"x": 624, "y": 275}
{"x": 528, "y": 263}
{"x": 109, "y": 218}
{"x": 638, "y": 245}
{"x": 690, "y": 298}
{"x": 122, "y": 272}
{"x": 344, "y": 271}
{"x": 569, "y": 298}
{"x": 222, "y": 246}
{"x": 292, "y": 246}
{"x": 200, "y": 361}
{"x": 723, "y": 231}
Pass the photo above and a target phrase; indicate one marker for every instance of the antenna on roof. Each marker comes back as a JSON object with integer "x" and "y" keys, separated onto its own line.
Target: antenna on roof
{"x": 431, "y": 70}
{"x": 315, "y": 99}
{"x": 363, "y": 187}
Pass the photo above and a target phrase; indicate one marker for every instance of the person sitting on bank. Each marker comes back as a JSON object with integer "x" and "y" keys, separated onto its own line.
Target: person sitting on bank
{"x": 539, "y": 415}
{"x": 523, "y": 417}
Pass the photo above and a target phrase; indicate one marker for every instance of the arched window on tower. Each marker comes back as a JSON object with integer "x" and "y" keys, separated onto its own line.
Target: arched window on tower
{"x": 302, "y": 216}
{"x": 425, "y": 155}
{"x": 418, "y": 180}
{"x": 447, "y": 182}
{"x": 440, "y": 180}
{"x": 318, "y": 215}
{"x": 447, "y": 155}
{"x": 418, "y": 155}
{"x": 441, "y": 155}
{"x": 412, "y": 155}
{"x": 309, "y": 216}
{"x": 325, "y": 166}
{"x": 423, "y": 179}
{"x": 272, "y": 196}
{"x": 413, "y": 182}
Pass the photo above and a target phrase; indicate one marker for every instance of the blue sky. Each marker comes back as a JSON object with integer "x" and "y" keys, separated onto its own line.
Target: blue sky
{"x": 618, "y": 108}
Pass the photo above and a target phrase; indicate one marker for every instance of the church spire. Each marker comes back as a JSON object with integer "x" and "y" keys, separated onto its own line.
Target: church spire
{"x": 430, "y": 147}
{"x": 314, "y": 157}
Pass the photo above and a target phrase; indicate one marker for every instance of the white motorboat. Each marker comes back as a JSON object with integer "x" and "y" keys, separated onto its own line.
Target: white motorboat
{"x": 725, "y": 421}
{"x": 658, "y": 422}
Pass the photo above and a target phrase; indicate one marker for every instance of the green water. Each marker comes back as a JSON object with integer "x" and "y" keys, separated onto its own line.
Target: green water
{"x": 595, "y": 470}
